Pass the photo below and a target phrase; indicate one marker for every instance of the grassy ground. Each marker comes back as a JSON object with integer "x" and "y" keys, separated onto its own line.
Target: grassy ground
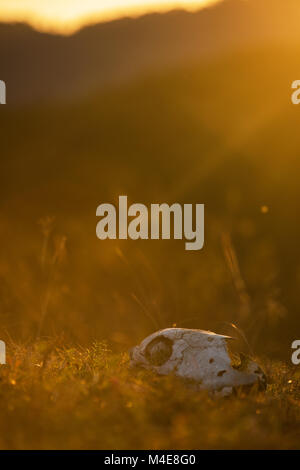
{"x": 60, "y": 397}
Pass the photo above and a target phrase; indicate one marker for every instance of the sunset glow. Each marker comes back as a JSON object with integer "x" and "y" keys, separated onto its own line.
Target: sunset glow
{"x": 66, "y": 16}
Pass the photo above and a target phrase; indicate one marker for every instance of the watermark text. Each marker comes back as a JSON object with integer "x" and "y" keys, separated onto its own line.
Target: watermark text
{"x": 2, "y": 92}
{"x": 136, "y": 222}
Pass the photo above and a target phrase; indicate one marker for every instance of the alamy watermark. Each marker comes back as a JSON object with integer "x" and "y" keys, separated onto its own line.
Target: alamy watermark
{"x": 2, "y": 352}
{"x": 2, "y": 92}
{"x": 154, "y": 224}
{"x": 296, "y": 94}
{"x": 2, "y": 101}
{"x": 296, "y": 354}
{"x": 295, "y": 358}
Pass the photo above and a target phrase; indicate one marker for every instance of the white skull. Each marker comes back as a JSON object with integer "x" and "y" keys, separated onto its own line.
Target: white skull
{"x": 198, "y": 357}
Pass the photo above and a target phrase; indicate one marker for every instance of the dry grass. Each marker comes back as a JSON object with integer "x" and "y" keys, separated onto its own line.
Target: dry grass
{"x": 212, "y": 133}
{"x": 57, "y": 397}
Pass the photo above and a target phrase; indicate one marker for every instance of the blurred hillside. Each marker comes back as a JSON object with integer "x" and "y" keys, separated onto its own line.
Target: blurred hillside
{"x": 47, "y": 67}
{"x": 221, "y": 131}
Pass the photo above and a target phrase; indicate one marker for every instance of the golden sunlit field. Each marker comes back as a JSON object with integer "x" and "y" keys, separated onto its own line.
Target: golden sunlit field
{"x": 58, "y": 397}
{"x": 216, "y": 128}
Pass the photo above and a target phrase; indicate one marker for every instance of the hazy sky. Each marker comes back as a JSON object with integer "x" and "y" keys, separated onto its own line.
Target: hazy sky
{"x": 67, "y": 15}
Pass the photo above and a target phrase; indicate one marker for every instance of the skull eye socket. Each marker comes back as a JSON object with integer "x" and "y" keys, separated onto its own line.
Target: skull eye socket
{"x": 159, "y": 350}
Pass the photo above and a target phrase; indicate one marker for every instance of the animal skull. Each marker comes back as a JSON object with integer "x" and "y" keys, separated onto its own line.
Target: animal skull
{"x": 198, "y": 357}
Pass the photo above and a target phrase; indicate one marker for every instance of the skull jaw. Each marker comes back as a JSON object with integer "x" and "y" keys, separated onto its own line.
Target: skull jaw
{"x": 235, "y": 382}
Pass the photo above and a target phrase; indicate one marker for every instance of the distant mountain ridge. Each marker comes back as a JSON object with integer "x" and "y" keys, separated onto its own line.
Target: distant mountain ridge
{"x": 42, "y": 67}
